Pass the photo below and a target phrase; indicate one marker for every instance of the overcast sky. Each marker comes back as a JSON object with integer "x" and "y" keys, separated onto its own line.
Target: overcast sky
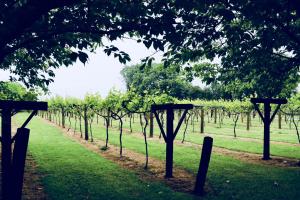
{"x": 100, "y": 74}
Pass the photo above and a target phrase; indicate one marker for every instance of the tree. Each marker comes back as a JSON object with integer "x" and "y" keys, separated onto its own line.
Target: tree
{"x": 15, "y": 91}
{"x": 257, "y": 41}
{"x": 159, "y": 80}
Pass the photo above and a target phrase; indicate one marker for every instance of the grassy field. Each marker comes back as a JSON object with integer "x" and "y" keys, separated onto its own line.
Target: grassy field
{"x": 72, "y": 172}
{"x": 284, "y": 140}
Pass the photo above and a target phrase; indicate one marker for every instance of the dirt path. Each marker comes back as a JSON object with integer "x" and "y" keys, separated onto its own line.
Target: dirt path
{"x": 32, "y": 188}
{"x": 183, "y": 180}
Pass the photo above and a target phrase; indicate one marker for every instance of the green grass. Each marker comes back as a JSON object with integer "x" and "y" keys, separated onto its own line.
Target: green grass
{"x": 285, "y": 134}
{"x": 237, "y": 144}
{"x": 230, "y": 178}
{"x": 72, "y": 172}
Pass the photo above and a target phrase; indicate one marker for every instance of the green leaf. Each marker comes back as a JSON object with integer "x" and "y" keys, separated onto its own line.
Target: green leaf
{"x": 83, "y": 57}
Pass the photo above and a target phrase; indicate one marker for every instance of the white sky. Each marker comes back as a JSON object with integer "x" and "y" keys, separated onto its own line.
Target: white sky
{"x": 100, "y": 74}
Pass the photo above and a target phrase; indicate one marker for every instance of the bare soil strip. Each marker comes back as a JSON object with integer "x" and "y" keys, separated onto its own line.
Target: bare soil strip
{"x": 32, "y": 188}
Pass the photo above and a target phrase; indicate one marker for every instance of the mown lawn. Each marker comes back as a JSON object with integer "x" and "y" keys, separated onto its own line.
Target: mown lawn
{"x": 65, "y": 161}
{"x": 72, "y": 172}
{"x": 290, "y": 150}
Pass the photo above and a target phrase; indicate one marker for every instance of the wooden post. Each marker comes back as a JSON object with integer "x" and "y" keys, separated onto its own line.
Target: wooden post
{"x": 151, "y": 125}
{"x": 63, "y": 121}
{"x": 202, "y": 121}
{"x": 6, "y": 107}
{"x": 203, "y": 166}
{"x": 215, "y": 115}
{"x": 267, "y": 119}
{"x": 169, "y": 146}
{"x": 279, "y": 120}
{"x": 248, "y": 121}
{"x": 267, "y": 122}
{"x": 86, "y": 125}
{"x": 19, "y": 157}
{"x": 6, "y": 154}
{"x": 170, "y": 134}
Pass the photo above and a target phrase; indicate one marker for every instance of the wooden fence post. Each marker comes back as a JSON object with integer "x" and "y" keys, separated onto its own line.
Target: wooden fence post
{"x": 151, "y": 124}
{"x": 267, "y": 119}
{"x": 202, "y": 121}
{"x": 6, "y": 154}
{"x": 203, "y": 166}
{"x": 63, "y": 115}
{"x": 169, "y": 143}
{"x": 248, "y": 121}
{"x": 279, "y": 119}
{"x": 18, "y": 164}
{"x": 170, "y": 133}
{"x": 86, "y": 126}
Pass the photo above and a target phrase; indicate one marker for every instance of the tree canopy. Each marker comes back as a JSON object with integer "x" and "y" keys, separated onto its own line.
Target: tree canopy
{"x": 15, "y": 91}
{"x": 38, "y": 36}
{"x": 157, "y": 79}
{"x": 256, "y": 40}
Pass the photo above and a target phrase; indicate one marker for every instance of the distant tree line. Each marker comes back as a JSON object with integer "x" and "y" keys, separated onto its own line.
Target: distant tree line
{"x": 176, "y": 83}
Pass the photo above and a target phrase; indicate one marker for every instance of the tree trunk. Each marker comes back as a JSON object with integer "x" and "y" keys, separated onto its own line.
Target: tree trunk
{"x": 121, "y": 132}
{"x": 145, "y": 140}
{"x": 107, "y": 125}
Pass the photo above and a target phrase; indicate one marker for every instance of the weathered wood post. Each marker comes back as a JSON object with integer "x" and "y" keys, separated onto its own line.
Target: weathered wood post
{"x": 202, "y": 121}
{"x": 248, "y": 121}
{"x": 169, "y": 142}
{"x": 215, "y": 115}
{"x": 203, "y": 166}
{"x": 267, "y": 123}
{"x": 86, "y": 125}
{"x": 279, "y": 120}
{"x": 63, "y": 117}
{"x": 151, "y": 125}
{"x": 18, "y": 163}
{"x": 170, "y": 134}
{"x": 11, "y": 179}
{"x": 6, "y": 153}
{"x": 267, "y": 119}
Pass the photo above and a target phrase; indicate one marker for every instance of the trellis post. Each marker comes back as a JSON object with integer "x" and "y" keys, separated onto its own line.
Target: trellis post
{"x": 170, "y": 134}
{"x": 10, "y": 181}
{"x": 267, "y": 119}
